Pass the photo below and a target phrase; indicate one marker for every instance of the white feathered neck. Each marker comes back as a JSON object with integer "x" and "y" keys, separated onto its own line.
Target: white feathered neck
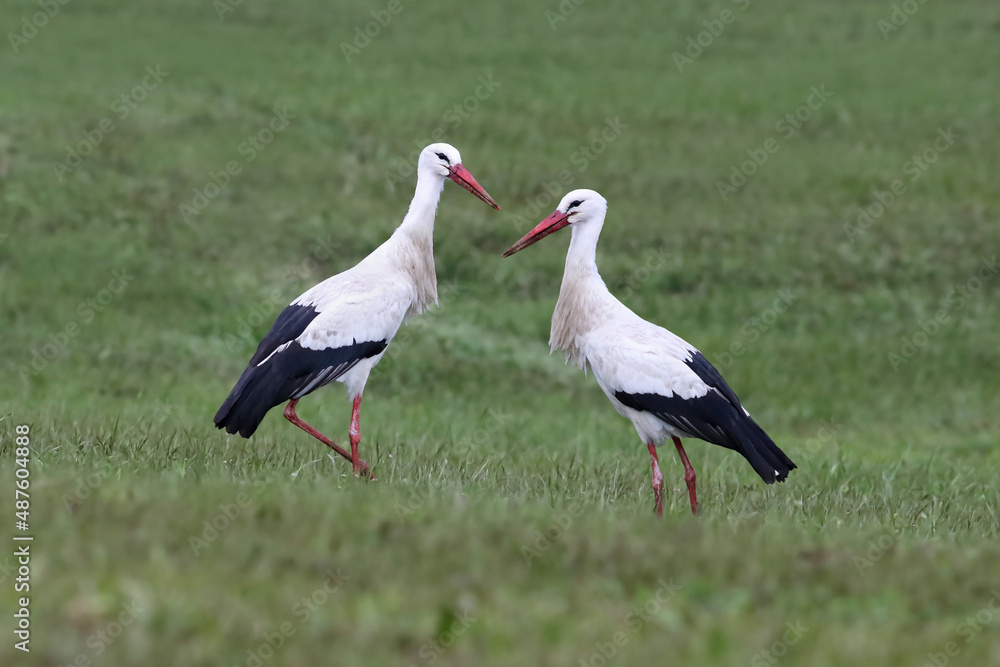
{"x": 585, "y": 303}
{"x": 413, "y": 240}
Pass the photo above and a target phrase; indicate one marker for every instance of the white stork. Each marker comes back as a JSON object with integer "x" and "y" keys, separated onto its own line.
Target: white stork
{"x": 339, "y": 329}
{"x": 652, "y": 377}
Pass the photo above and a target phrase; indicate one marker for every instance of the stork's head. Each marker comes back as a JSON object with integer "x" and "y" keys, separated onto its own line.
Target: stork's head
{"x": 578, "y": 208}
{"x": 444, "y": 161}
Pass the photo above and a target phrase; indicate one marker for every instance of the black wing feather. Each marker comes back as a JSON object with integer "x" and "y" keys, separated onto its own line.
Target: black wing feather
{"x": 710, "y": 376}
{"x": 291, "y": 322}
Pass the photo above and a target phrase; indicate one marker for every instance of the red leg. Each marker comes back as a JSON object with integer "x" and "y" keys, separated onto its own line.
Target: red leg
{"x": 356, "y": 434}
{"x": 688, "y": 475}
{"x": 295, "y": 419}
{"x": 657, "y": 479}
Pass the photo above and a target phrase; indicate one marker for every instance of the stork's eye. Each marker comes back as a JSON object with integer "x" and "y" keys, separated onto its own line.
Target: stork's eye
{"x": 444, "y": 157}
{"x": 574, "y": 204}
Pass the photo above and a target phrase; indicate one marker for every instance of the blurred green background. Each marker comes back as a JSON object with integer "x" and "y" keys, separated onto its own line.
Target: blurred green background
{"x": 511, "y": 522}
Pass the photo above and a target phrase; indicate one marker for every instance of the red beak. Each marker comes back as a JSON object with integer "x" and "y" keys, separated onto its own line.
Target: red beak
{"x": 461, "y": 175}
{"x": 556, "y": 221}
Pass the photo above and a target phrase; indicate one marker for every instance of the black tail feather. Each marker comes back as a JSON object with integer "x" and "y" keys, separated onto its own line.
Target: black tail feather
{"x": 249, "y": 401}
{"x": 764, "y": 456}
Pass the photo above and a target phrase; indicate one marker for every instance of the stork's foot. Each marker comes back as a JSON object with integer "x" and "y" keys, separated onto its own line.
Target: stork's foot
{"x": 364, "y": 471}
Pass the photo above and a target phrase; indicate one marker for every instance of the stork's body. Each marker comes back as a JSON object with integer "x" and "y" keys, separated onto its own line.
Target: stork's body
{"x": 652, "y": 377}
{"x": 339, "y": 329}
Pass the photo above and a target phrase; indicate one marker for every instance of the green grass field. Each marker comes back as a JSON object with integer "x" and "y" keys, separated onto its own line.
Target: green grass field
{"x": 512, "y": 520}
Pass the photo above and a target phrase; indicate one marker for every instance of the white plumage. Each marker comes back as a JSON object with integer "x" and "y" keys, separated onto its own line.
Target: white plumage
{"x": 657, "y": 380}
{"x": 339, "y": 329}
{"x": 370, "y": 301}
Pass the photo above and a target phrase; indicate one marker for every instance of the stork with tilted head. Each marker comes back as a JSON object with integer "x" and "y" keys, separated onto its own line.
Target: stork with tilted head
{"x": 652, "y": 377}
{"x": 339, "y": 329}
